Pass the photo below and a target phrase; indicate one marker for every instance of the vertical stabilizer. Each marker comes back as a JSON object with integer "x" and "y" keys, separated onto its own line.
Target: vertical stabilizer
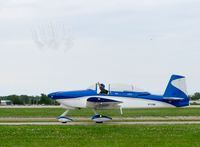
{"x": 177, "y": 91}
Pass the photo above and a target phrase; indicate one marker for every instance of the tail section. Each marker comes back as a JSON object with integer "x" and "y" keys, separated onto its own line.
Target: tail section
{"x": 176, "y": 91}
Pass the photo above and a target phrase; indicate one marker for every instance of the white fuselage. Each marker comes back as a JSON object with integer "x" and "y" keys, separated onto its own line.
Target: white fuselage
{"x": 81, "y": 102}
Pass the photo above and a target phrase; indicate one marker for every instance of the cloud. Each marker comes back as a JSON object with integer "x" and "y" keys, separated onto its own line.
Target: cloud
{"x": 115, "y": 41}
{"x": 52, "y": 36}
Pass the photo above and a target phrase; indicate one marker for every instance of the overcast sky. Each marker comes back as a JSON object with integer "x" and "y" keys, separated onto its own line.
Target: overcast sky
{"x": 48, "y": 45}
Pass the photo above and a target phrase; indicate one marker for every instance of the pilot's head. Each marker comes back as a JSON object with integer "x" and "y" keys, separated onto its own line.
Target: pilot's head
{"x": 102, "y": 86}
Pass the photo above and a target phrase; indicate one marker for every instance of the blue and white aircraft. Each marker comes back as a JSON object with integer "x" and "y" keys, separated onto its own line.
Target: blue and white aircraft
{"x": 121, "y": 96}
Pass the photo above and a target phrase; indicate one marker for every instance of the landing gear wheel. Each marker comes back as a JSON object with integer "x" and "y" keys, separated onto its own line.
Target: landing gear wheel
{"x": 63, "y": 118}
{"x": 100, "y": 118}
{"x": 99, "y": 122}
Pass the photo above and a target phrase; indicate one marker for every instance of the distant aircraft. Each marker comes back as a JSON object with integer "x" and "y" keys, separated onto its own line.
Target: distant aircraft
{"x": 121, "y": 96}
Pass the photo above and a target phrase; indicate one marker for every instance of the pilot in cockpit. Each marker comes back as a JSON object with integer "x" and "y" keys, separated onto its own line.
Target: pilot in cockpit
{"x": 102, "y": 88}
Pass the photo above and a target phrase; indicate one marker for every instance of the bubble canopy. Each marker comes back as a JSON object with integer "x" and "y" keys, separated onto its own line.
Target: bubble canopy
{"x": 92, "y": 87}
{"x": 118, "y": 88}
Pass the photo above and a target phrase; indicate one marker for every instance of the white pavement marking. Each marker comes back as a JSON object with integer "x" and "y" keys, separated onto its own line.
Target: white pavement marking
{"x": 58, "y": 106}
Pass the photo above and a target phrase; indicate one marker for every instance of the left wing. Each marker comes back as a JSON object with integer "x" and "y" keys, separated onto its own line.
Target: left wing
{"x": 102, "y": 103}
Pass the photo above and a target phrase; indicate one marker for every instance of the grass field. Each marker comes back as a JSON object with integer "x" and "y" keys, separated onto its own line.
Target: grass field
{"x": 54, "y": 112}
{"x": 101, "y": 135}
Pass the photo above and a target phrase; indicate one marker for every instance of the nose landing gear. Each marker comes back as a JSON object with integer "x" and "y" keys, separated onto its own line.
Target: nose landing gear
{"x": 63, "y": 119}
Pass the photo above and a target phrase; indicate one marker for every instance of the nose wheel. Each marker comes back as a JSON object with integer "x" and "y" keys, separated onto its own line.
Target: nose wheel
{"x": 63, "y": 119}
{"x": 100, "y": 118}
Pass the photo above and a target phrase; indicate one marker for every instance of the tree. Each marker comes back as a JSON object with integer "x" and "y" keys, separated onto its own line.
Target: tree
{"x": 196, "y": 96}
{"x": 15, "y": 99}
{"x": 45, "y": 100}
{"x": 29, "y": 100}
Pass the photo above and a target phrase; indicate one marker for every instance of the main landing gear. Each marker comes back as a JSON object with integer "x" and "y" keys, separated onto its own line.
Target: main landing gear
{"x": 100, "y": 118}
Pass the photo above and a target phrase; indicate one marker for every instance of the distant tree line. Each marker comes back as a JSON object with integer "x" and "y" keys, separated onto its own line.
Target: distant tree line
{"x": 195, "y": 96}
{"x": 29, "y": 100}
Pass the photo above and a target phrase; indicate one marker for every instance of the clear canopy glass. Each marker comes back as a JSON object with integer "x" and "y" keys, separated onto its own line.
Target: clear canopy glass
{"x": 118, "y": 87}
{"x": 92, "y": 87}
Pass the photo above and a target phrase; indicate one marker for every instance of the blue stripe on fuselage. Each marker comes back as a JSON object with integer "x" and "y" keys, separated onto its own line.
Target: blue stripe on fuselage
{"x": 71, "y": 94}
{"x": 83, "y": 93}
{"x": 141, "y": 95}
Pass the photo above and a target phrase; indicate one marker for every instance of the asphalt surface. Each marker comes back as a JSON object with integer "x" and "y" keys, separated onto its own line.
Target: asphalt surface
{"x": 142, "y": 118}
{"x": 115, "y": 121}
{"x": 106, "y": 123}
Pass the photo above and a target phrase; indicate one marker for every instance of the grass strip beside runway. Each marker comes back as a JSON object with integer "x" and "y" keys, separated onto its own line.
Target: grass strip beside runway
{"x": 54, "y": 112}
{"x": 101, "y": 135}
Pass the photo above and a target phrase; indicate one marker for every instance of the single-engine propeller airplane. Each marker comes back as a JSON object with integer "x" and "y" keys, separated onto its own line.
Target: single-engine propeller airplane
{"x": 121, "y": 96}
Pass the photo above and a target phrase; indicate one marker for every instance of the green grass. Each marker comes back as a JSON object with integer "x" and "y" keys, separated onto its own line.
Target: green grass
{"x": 100, "y": 135}
{"x": 54, "y": 112}
{"x": 30, "y": 112}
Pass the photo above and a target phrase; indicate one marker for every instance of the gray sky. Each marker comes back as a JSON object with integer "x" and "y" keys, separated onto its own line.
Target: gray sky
{"x": 134, "y": 42}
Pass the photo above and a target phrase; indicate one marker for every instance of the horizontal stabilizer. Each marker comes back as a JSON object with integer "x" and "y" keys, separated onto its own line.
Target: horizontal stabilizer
{"x": 173, "y": 98}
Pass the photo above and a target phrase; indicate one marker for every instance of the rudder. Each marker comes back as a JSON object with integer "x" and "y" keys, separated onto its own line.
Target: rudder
{"x": 176, "y": 89}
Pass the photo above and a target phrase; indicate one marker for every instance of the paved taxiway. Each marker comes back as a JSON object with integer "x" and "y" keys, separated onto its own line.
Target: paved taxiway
{"x": 106, "y": 123}
{"x": 115, "y": 119}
